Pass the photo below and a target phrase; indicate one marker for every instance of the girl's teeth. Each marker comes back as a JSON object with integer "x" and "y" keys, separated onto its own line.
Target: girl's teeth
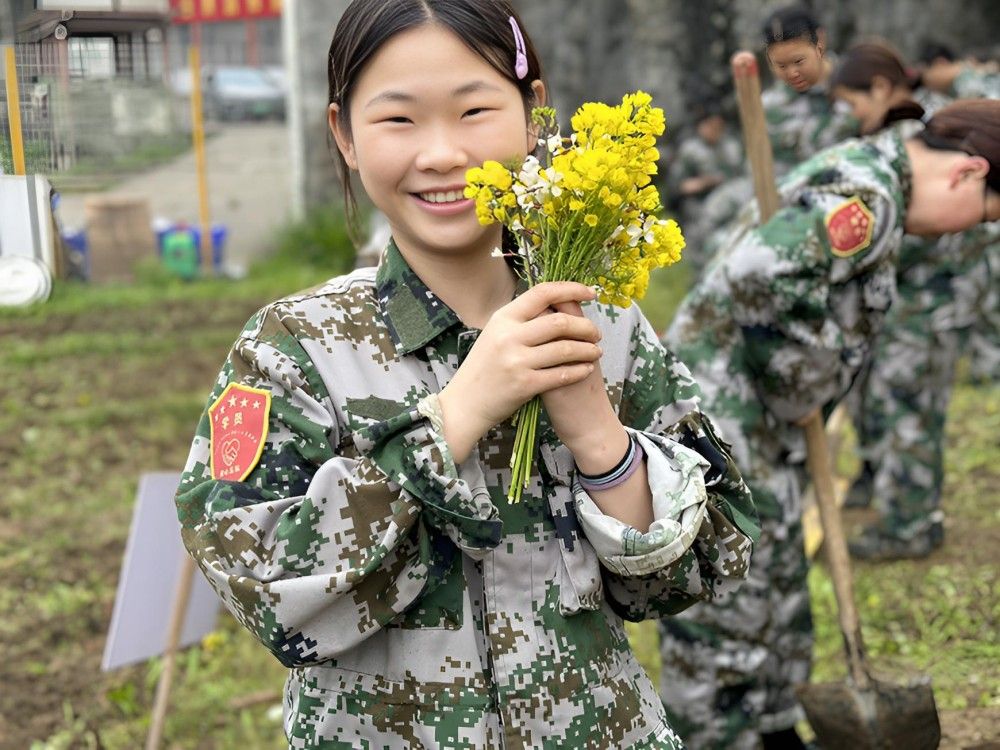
{"x": 449, "y": 197}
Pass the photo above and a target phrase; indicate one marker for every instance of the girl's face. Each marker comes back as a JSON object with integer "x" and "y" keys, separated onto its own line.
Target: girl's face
{"x": 425, "y": 109}
{"x": 797, "y": 62}
{"x": 870, "y": 107}
{"x": 866, "y": 106}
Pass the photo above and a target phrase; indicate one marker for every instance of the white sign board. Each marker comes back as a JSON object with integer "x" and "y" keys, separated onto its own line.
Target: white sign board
{"x": 149, "y": 578}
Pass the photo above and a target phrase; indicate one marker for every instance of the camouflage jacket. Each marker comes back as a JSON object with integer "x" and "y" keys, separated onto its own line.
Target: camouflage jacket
{"x": 787, "y": 311}
{"x": 799, "y": 125}
{"x": 940, "y": 280}
{"x": 974, "y": 83}
{"x": 415, "y": 606}
{"x": 695, "y": 158}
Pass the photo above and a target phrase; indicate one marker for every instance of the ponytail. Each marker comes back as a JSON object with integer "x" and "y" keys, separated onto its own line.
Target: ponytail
{"x": 908, "y": 110}
{"x": 972, "y": 126}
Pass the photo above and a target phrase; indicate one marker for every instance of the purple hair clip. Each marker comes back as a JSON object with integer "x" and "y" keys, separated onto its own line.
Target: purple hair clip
{"x": 521, "y": 58}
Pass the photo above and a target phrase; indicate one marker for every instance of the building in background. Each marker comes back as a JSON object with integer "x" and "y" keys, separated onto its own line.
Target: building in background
{"x": 230, "y": 32}
{"x": 91, "y": 80}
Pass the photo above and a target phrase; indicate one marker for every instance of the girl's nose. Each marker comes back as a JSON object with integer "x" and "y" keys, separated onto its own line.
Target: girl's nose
{"x": 442, "y": 152}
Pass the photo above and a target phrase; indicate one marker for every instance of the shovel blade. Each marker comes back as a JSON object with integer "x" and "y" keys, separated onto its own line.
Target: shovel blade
{"x": 880, "y": 717}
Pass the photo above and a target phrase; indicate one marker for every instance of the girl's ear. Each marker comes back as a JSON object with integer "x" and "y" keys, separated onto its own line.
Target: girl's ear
{"x": 341, "y": 135}
{"x": 538, "y": 89}
{"x": 968, "y": 168}
{"x": 538, "y": 97}
{"x": 881, "y": 86}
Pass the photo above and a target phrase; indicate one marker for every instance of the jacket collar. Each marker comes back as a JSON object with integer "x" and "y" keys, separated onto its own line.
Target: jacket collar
{"x": 414, "y": 314}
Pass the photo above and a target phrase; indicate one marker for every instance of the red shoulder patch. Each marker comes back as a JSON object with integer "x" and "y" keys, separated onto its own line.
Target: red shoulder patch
{"x": 850, "y": 227}
{"x": 238, "y": 420}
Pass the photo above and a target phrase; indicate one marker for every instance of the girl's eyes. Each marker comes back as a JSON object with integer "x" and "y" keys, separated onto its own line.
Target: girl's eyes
{"x": 402, "y": 120}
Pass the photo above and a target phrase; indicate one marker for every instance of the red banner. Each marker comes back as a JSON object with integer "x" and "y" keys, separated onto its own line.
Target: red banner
{"x": 207, "y": 11}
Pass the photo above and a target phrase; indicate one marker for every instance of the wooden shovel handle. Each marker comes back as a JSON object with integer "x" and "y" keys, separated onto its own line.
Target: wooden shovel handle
{"x": 758, "y": 146}
{"x": 818, "y": 457}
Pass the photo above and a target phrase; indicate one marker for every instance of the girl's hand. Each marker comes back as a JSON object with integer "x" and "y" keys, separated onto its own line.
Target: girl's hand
{"x": 521, "y": 353}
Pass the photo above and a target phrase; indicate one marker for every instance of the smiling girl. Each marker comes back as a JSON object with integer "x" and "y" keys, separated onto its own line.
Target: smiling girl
{"x": 360, "y": 529}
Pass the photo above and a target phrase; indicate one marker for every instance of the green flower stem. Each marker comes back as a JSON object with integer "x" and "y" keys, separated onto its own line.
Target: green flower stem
{"x": 522, "y": 457}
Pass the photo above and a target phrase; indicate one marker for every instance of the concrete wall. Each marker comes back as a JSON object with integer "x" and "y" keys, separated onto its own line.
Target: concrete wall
{"x": 599, "y": 49}
{"x": 308, "y": 28}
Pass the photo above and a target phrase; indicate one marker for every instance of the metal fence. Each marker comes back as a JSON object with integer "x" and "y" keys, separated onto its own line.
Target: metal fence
{"x": 94, "y": 106}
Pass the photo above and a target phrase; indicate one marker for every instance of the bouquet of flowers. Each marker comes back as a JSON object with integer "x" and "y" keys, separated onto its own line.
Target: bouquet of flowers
{"x": 584, "y": 211}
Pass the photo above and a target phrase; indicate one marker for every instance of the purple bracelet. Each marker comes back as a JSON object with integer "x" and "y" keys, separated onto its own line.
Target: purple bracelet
{"x": 618, "y": 475}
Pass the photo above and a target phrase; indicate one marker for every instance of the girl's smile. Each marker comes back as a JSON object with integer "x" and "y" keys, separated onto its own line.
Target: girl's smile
{"x": 447, "y": 201}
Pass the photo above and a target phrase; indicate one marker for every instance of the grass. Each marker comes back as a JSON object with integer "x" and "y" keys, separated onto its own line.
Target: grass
{"x": 103, "y": 384}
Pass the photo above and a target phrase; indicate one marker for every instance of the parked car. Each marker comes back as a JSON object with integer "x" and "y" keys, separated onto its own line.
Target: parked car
{"x": 234, "y": 92}
{"x": 242, "y": 93}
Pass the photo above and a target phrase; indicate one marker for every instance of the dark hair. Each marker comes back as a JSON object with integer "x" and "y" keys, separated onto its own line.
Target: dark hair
{"x": 366, "y": 25}
{"x": 863, "y": 62}
{"x": 931, "y": 51}
{"x": 788, "y": 23}
{"x": 704, "y": 109}
{"x": 972, "y": 126}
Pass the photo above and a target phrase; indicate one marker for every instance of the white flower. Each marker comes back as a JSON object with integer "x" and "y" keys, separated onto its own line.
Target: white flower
{"x": 642, "y": 231}
{"x": 528, "y": 175}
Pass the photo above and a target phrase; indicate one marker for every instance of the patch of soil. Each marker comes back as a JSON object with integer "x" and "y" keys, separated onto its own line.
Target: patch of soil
{"x": 970, "y": 729}
{"x": 171, "y": 316}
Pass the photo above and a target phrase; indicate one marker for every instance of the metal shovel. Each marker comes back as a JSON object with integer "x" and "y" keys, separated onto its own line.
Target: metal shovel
{"x": 860, "y": 713}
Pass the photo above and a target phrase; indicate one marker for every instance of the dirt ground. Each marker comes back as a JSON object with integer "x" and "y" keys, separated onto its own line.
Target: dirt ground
{"x": 91, "y": 400}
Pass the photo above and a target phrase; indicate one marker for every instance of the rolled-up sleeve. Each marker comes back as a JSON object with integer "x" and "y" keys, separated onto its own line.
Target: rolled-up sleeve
{"x": 677, "y": 483}
{"x": 700, "y": 540}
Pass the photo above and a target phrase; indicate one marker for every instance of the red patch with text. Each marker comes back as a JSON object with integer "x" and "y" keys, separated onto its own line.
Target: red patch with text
{"x": 239, "y": 426}
{"x": 850, "y": 226}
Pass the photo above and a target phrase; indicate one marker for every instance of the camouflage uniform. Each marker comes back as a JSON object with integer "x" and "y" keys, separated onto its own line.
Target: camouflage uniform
{"x": 801, "y": 124}
{"x": 780, "y": 325}
{"x": 798, "y": 125}
{"x": 718, "y": 211}
{"x": 415, "y": 606}
{"x": 696, "y": 158}
{"x": 984, "y": 338}
{"x": 945, "y": 289}
{"x": 974, "y": 83}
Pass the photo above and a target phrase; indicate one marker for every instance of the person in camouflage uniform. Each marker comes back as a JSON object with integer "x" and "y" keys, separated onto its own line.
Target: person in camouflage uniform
{"x": 904, "y": 394}
{"x": 980, "y": 82}
{"x": 963, "y": 79}
{"x": 778, "y": 328}
{"x": 801, "y": 117}
{"x": 900, "y": 402}
{"x": 705, "y": 159}
{"x": 345, "y": 493}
